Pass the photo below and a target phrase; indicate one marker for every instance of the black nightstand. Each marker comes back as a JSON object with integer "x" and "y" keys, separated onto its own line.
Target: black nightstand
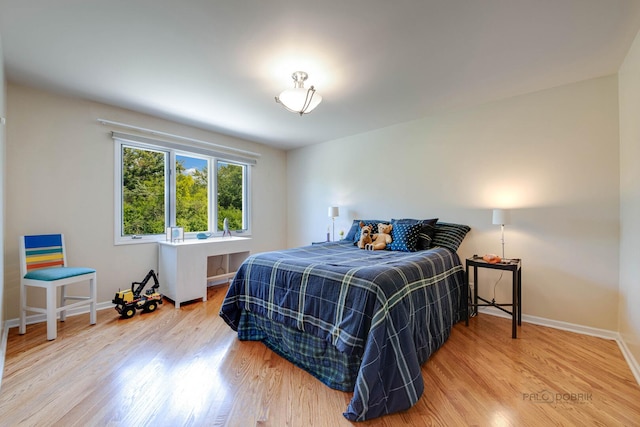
{"x": 515, "y": 267}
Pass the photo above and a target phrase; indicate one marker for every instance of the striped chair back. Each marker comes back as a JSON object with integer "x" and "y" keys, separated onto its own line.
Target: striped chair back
{"x": 44, "y": 251}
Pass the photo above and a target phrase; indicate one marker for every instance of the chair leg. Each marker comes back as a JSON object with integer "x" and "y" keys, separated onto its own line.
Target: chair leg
{"x": 63, "y": 302}
{"x": 93, "y": 292}
{"x": 52, "y": 332}
{"x": 23, "y": 310}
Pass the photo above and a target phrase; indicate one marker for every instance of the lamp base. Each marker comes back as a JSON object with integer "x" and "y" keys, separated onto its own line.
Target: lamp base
{"x": 502, "y": 239}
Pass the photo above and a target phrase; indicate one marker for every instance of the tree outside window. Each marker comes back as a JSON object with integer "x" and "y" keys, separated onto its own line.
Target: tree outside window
{"x": 192, "y": 200}
{"x": 143, "y": 191}
{"x": 230, "y": 195}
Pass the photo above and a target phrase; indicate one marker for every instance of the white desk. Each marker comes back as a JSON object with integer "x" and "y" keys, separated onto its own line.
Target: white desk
{"x": 185, "y": 268}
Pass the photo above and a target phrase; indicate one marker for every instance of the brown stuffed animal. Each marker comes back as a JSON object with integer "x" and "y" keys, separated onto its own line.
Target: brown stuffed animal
{"x": 365, "y": 235}
{"x": 382, "y": 238}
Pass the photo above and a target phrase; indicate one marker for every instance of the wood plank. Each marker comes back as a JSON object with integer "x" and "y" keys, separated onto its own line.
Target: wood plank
{"x": 186, "y": 367}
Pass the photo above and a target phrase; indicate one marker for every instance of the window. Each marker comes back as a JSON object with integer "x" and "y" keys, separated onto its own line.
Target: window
{"x": 231, "y": 200}
{"x": 159, "y": 186}
{"x": 144, "y": 196}
{"x": 192, "y": 193}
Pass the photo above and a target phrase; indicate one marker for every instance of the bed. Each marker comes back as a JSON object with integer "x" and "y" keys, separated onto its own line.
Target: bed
{"x": 359, "y": 321}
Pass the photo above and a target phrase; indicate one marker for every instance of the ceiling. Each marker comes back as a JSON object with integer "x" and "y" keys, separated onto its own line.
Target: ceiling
{"x": 217, "y": 65}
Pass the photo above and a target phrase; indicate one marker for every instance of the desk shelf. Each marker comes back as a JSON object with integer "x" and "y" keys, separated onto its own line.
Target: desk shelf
{"x": 222, "y": 268}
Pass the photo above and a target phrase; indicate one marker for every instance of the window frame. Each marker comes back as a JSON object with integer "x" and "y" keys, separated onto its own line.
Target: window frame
{"x": 172, "y": 151}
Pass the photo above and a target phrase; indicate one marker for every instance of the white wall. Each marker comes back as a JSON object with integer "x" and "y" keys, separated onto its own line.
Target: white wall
{"x": 60, "y": 169}
{"x": 2, "y": 193}
{"x": 629, "y": 89}
{"x": 551, "y": 156}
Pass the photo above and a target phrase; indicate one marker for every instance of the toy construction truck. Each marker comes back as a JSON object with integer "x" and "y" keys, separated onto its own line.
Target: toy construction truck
{"x": 130, "y": 300}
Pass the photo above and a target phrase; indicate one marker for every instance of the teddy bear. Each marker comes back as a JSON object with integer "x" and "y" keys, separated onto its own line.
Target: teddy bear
{"x": 365, "y": 235}
{"x": 381, "y": 239}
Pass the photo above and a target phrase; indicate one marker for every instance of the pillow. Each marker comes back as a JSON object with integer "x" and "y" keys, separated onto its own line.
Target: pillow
{"x": 405, "y": 236}
{"x": 449, "y": 235}
{"x": 354, "y": 231}
{"x": 351, "y": 234}
{"x": 426, "y": 232}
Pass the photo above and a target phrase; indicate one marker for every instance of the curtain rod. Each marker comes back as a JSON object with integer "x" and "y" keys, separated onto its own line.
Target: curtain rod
{"x": 183, "y": 138}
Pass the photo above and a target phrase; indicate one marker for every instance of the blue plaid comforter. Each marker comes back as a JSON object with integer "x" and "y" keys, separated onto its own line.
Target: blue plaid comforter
{"x": 388, "y": 310}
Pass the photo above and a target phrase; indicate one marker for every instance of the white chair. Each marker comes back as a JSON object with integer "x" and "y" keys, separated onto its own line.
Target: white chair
{"x": 43, "y": 264}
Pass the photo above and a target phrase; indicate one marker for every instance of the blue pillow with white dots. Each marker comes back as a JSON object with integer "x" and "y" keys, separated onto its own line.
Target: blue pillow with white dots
{"x": 405, "y": 237}
{"x": 426, "y": 233}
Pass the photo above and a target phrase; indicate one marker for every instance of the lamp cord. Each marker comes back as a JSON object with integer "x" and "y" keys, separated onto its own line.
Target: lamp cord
{"x": 494, "y": 287}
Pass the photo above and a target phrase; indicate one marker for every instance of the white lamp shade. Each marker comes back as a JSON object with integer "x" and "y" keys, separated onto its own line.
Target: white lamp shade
{"x": 295, "y": 99}
{"x": 334, "y": 211}
{"x": 501, "y": 217}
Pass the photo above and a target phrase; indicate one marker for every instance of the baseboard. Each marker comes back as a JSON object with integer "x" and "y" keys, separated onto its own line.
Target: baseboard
{"x": 579, "y": 329}
{"x": 37, "y": 318}
{"x": 628, "y": 356}
{"x": 556, "y": 324}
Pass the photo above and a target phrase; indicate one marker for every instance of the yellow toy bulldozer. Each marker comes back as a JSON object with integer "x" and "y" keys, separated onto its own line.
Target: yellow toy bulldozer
{"x": 130, "y": 300}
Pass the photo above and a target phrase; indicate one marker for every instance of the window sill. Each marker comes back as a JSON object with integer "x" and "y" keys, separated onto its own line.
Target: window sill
{"x": 188, "y": 237}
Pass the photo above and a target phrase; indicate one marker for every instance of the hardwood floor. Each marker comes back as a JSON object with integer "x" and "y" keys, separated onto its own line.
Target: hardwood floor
{"x": 186, "y": 368}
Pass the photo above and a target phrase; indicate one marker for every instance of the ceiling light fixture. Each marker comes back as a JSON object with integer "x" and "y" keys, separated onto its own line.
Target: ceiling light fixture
{"x": 299, "y": 100}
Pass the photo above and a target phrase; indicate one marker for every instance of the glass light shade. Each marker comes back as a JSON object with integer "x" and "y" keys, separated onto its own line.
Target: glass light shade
{"x": 334, "y": 212}
{"x": 300, "y": 100}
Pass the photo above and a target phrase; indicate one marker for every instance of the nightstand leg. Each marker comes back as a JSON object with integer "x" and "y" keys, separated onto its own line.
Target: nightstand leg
{"x": 475, "y": 288}
{"x": 520, "y": 296}
{"x": 514, "y": 301}
{"x": 466, "y": 295}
